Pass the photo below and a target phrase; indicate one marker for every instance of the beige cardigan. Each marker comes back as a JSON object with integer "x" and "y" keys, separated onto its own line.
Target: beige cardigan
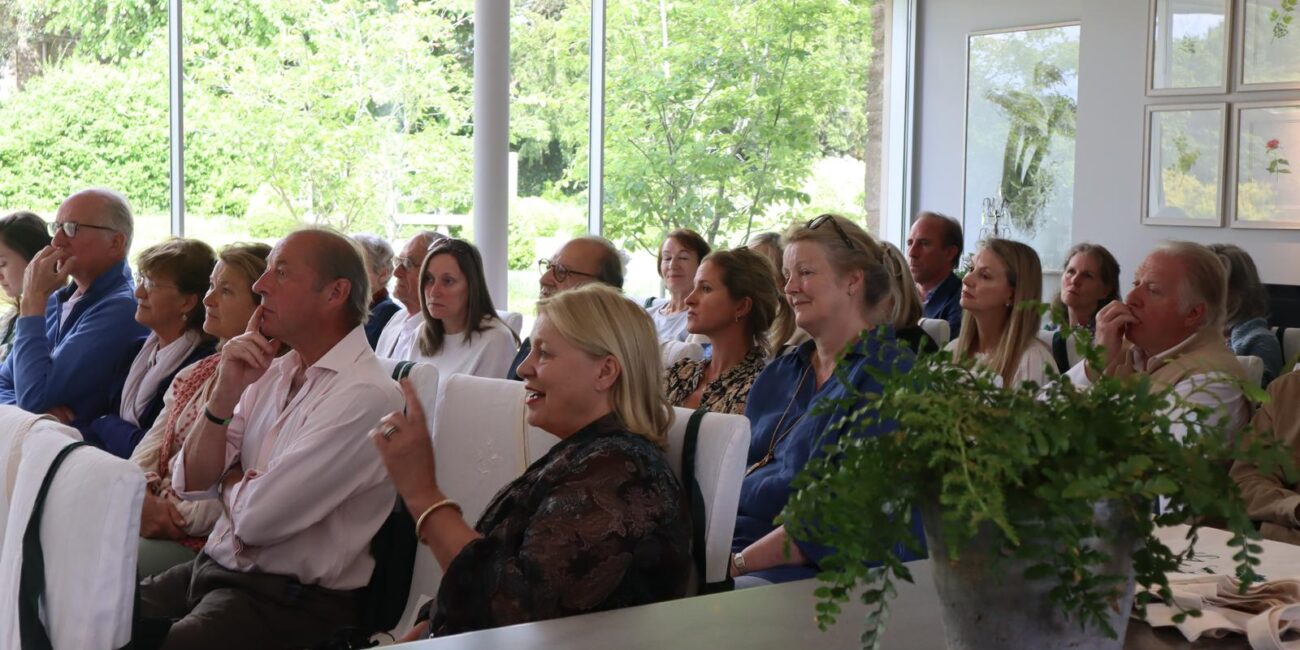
{"x": 1268, "y": 498}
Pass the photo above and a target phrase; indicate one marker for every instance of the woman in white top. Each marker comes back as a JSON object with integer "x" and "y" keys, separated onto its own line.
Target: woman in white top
{"x": 995, "y": 328}
{"x": 679, "y": 258}
{"x": 462, "y": 333}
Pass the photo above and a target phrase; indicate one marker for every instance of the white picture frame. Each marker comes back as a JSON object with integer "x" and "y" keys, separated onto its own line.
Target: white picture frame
{"x": 1184, "y": 36}
{"x": 1183, "y": 164}
{"x": 1267, "y": 34}
{"x": 1264, "y": 165}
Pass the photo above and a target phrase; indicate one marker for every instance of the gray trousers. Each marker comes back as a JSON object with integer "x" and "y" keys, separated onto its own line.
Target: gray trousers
{"x": 213, "y": 607}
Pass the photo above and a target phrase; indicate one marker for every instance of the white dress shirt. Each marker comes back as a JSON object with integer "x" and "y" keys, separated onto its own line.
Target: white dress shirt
{"x": 398, "y": 336}
{"x": 1036, "y": 364}
{"x": 318, "y": 491}
{"x": 487, "y": 354}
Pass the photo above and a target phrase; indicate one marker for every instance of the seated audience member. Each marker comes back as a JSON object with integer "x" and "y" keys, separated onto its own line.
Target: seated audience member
{"x": 172, "y": 530}
{"x": 462, "y": 333}
{"x": 1270, "y": 499}
{"x": 996, "y": 329}
{"x": 22, "y": 236}
{"x": 379, "y": 266}
{"x": 283, "y": 447}
{"x": 679, "y": 258}
{"x": 71, "y": 339}
{"x": 398, "y": 337}
{"x": 600, "y": 522}
{"x": 734, "y": 304}
{"x": 1173, "y": 319}
{"x": 578, "y": 262}
{"x": 905, "y": 303}
{"x": 934, "y": 247}
{"x": 1090, "y": 282}
{"x": 784, "y": 335}
{"x": 1247, "y": 311}
{"x": 169, "y": 287}
{"x": 838, "y": 283}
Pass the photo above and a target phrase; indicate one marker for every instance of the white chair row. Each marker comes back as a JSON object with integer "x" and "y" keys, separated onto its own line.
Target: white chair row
{"x": 938, "y": 329}
{"x": 514, "y": 320}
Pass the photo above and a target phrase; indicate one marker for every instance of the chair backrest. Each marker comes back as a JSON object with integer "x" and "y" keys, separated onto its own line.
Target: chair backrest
{"x": 1046, "y": 337}
{"x": 1254, "y": 368}
{"x": 938, "y": 330}
{"x": 1290, "y": 343}
{"x": 675, "y": 351}
{"x": 425, "y": 378}
{"x": 90, "y": 538}
{"x": 513, "y": 319}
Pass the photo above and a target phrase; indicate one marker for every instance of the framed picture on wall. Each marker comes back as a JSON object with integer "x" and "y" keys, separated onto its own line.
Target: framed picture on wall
{"x": 1268, "y": 47}
{"x": 1182, "y": 183}
{"x": 1266, "y": 140}
{"x": 1189, "y": 47}
{"x": 1022, "y": 95}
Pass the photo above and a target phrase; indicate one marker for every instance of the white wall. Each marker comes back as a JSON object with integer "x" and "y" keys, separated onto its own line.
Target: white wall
{"x": 1108, "y": 177}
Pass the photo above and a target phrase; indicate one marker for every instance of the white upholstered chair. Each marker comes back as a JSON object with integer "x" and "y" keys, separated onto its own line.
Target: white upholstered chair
{"x": 513, "y": 319}
{"x": 1254, "y": 369}
{"x": 675, "y": 351}
{"x": 1290, "y": 343}
{"x": 938, "y": 330}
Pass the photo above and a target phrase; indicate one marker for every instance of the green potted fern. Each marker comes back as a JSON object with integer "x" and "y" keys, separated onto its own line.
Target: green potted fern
{"x": 1038, "y": 501}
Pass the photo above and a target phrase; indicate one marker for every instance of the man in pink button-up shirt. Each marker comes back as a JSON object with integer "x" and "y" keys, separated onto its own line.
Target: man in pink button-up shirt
{"x": 285, "y": 450}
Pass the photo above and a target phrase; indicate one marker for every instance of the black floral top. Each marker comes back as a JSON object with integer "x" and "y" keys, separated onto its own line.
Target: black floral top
{"x": 727, "y": 394}
{"x": 598, "y": 523}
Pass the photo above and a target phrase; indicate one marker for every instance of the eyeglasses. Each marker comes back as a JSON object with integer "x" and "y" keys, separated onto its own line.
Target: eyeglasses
{"x": 148, "y": 284}
{"x": 561, "y": 271}
{"x": 403, "y": 262}
{"x": 69, "y": 228}
{"x": 830, "y": 218}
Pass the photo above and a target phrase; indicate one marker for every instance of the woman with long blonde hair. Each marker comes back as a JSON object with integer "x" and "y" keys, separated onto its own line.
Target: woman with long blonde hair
{"x": 905, "y": 303}
{"x": 997, "y": 328}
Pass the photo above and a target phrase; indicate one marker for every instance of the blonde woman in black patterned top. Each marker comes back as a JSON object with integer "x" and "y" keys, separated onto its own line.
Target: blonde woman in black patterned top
{"x": 734, "y": 304}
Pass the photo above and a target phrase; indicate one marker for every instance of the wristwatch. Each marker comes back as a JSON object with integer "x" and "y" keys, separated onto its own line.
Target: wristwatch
{"x": 738, "y": 561}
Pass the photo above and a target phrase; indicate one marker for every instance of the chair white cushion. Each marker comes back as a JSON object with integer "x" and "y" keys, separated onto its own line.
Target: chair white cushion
{"x": 90, "y": 535}
{"x": 513, "y": 319}
{"x": 1254, "y": 368}
{"x": 675, "y": 351}
{"x": 1291, "y": 344}
{"x": 938, "y": 330}
{"x": 425, "y": 378}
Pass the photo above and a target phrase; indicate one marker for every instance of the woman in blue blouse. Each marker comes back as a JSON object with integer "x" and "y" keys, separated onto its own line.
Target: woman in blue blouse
{"x": 837, "y": 285}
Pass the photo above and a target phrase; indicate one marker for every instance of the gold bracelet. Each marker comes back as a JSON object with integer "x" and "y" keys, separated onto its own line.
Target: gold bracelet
{"x": 419, "y": 523}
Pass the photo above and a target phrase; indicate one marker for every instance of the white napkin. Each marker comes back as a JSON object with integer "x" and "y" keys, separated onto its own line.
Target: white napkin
{"x": 1264, "y": 614}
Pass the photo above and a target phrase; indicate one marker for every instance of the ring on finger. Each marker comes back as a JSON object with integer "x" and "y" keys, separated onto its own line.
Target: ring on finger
{"x": 388, "y": 432}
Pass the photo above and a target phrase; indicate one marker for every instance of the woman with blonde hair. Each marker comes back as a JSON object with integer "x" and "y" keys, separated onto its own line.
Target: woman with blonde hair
{"x": 838, "y": 283}
{"x": 597, "y": 523}
{"x": 733, "y": 305}
{"x": 905, "y": 303}
{"x": 996, "y": 328}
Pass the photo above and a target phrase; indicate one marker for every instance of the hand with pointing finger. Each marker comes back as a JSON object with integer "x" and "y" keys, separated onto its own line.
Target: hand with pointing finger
{"x": 407, "y": 451}
{"x": 244, "y": 359}
{"x": 46, "y": 273}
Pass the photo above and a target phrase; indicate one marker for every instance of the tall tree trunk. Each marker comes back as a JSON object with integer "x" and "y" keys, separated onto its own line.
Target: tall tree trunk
{"x": 873, "y": 182}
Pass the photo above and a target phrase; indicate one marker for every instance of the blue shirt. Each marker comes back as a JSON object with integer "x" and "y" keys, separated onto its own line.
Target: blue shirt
{"x": 1252, "y": 338}
{"x": 74, "y": 364}
{"x": 380, "y": 312}
{"x": 945, "y": 302}
{"x": 779, "y": 401}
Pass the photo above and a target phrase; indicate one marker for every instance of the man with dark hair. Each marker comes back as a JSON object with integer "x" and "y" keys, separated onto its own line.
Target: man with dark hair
{"x": 934, "y": 248}
{"x": 70, "y": 338}
{"x": 578, "y": 262}
{"x": 284, "y": 448}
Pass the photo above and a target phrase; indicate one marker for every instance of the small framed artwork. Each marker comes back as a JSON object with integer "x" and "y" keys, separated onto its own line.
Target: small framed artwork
{"x": 1268, "y": 45}
{"x": 1182, "y": 184}
{"x": 1266, "y": 141}
{"x": 1189, "y": 47}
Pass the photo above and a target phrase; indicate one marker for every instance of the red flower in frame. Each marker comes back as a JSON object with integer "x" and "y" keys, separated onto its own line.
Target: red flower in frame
{"x": 1272, "y": 144}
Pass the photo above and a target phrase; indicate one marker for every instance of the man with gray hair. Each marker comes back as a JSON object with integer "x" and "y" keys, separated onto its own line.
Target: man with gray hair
{"x": 399, "y": 333}
{"x": 379, "y": 266}
{"x": 70, "y": 338}
{"x": 284, "y": 448}
{"x": 1172, "y": 320}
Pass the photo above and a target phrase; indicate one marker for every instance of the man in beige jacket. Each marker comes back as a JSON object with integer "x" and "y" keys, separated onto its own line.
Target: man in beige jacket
{"x": 1270, "y": 499}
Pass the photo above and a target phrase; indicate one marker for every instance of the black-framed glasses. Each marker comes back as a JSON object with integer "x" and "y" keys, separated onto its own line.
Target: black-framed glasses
{"x": 561, "y": 271}
{"x": 69, "y": 228}
{"x": 819, "y": 221}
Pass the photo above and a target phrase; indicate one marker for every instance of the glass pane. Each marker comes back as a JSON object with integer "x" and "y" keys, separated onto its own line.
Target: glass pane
{"x": 1271, "y": 47}
{"x": 1190, "y": 43}
{"x": 1267, "y": 187}
{"x": 550, "y": 95}
{"x": 353, "y": 114}
{"x": 83, "y": 102}
{"x": 732, "y": 117}
{"x": 1186, "y": 165}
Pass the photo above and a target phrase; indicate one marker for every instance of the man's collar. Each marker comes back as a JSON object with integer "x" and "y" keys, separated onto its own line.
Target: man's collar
{"x": 118, "y": 273}
{"x": 1154, "y": 362}
{"x": 344, "y": 355}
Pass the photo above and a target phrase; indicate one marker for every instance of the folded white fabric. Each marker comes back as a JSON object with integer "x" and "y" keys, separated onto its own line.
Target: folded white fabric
{"x": 1265, "y": 613}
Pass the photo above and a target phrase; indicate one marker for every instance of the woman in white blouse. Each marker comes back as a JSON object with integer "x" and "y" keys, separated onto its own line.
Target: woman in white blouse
{"x": 679, "y": 258}
{"x": 461, "y": 333}
{"x": 995, "y": 328}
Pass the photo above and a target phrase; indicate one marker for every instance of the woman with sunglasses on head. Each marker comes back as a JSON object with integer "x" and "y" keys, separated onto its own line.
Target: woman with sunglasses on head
{"x": 462, "y": 333}
{"x": 996, "y": 328}
{"x": 734, "y": 305}
{"x": 22, "y": 236}
{"x": 679, "y": 258}
{"x": 837, "y": 280}
{"x": 169, "y": 289}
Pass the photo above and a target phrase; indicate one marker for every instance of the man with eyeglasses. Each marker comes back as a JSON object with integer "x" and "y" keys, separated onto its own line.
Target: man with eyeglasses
{"x": 398, "y": 335}
{"x": 578, "y": 262}
{"x": 70, "y": 338}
